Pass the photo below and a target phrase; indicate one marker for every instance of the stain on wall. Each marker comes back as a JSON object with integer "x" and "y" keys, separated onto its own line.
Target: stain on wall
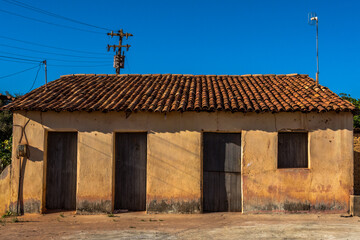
{"x": 89, "y": 206}
{"x": 173, "y": 206}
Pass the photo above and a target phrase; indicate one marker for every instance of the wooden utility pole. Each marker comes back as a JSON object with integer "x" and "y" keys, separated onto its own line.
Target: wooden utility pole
{"x": 119, "y": 58}
{"x": 45, "y": 64}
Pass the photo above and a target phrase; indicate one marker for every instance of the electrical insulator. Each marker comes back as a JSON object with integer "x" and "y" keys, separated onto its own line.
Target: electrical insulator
{"x": 119, "y": 61}
{"x": 116, "y": 61}
{"x": 122, "y": 61}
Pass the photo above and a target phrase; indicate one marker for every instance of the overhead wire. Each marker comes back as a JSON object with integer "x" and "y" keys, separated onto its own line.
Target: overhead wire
{"x": 30, "y": 60}
{"x": 48, "y": 46}
{"x": 39, "y": 10}
{"x": 37, "y": 73}
{"x": 22, "y": 59}
{"x": 15, "y": 61}
{"x": 51, "y": 53}
{"x": 46, "y": 22}
{"x": 33, "y": 60}
{"x": 59, "y": 65}
{"x": 12, "y": 74}
{"x": 54, "y": 59}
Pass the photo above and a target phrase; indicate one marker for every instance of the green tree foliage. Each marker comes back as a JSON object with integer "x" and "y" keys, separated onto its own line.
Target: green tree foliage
{"x": 5, "y": 136}
{"x": 356, "y": 103}
{"x": 5, "y": 153}
{"x": 5, "y": 124}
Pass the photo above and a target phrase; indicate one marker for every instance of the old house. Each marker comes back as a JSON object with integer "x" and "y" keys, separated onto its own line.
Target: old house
{"x": 180, "y": 143}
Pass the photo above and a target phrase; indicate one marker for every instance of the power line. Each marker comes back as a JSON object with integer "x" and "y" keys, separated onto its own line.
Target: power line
{"x": 48, "y": 46}
{"x": 46, "y": 22}
{"x": 17, "y": 72}
{"x": 27, "y": 6}
{"x": 52, "y": 53}
{"x": 37, "y": 73}
{"x": 56, "y": 65}
{"x": 53, "y": 59}
{"x": 75, "y": 61}
{"x": 22, "y": 59}
{"x": 15, "y": 61}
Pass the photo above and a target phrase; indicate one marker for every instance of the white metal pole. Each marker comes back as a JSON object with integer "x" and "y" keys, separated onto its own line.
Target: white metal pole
{"x": 317, "y": 51}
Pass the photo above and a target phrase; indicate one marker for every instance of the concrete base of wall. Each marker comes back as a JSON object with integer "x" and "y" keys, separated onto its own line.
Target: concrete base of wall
{"x": 355, "y": 205}
{"x": 169, "y": 206}
{"x": 296, "y": 207}
{"x": 93, "y": 207}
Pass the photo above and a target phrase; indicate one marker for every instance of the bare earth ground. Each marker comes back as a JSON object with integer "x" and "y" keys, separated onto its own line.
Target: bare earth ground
{"x": 139, "y": 225}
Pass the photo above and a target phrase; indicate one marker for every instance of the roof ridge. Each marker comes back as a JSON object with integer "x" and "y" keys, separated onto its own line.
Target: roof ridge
{"x": 175, "y": 74}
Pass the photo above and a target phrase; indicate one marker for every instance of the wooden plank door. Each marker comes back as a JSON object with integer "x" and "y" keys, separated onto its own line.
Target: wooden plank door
{"x": 61, "y": 170}
{"x": 221, "y": 172}
{"x": 130, "y": 171}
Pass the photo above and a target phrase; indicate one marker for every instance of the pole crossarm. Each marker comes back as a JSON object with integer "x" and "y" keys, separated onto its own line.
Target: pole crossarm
{"x": 119, "y": 58}
{"x": 127, "y": 46}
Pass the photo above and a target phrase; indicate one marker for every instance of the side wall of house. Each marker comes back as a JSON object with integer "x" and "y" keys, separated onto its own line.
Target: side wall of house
{"x": 5, "y": 190}
{"x": 357, "y": 162}
{"x": 325, "y": 185}
{"x": 27, "y": 196}
{"x": 174, "y": 159}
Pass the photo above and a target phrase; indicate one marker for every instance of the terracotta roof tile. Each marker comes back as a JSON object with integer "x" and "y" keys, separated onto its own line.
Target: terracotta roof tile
{"x": 6, "y": 98}
{"x": 178, "y": 92}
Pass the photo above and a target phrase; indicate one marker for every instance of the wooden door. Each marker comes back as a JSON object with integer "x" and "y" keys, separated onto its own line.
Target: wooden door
{"x": 221, "y": 172}
{"x": 61, "y": 170}
{"x": 130, "y": 171}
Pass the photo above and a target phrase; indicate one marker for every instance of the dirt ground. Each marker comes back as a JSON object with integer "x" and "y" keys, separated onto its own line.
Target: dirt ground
{"x": 140, "y": 225}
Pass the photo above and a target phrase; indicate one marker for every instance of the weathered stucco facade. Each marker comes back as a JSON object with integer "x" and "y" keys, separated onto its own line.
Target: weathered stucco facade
{"x": 174, "y": 159}
{"x": 357, "y": 162}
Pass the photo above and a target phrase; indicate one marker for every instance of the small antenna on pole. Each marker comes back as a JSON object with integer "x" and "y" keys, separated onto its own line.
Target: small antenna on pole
{"x": 119, "y": 58}
{"x": 312, "y": 20}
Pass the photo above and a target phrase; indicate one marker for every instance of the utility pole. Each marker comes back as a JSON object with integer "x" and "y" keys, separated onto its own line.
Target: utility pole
{"x": 45, "y": 64}
{"x": 119, "y": 58}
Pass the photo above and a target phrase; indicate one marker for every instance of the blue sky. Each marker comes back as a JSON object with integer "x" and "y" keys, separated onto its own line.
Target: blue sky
{"x": 186, "y": 37}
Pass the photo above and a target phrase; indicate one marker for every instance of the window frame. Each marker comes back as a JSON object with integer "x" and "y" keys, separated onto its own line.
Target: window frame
{"x": 307, "y": 153}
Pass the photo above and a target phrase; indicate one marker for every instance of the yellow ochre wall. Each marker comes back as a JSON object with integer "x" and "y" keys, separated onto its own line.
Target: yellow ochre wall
{"x": 174, "y": 159}
{"x": 5, "y": 190}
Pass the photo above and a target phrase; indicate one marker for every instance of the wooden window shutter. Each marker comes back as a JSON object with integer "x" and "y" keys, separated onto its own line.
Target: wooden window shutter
{"x": 292, "y": 150}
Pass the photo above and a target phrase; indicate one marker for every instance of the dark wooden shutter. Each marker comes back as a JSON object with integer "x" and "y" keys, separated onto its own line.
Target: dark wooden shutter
{"x": 221, "y": 172}
{"x": 61, "y": 170}
{"x": 130, "y": 171}
{"x": 292, "y": 150}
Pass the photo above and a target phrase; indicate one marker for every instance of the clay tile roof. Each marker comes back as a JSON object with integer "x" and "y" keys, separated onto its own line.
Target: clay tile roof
{"x": 6, "y": 97}
{"x": 179, "y": 92}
